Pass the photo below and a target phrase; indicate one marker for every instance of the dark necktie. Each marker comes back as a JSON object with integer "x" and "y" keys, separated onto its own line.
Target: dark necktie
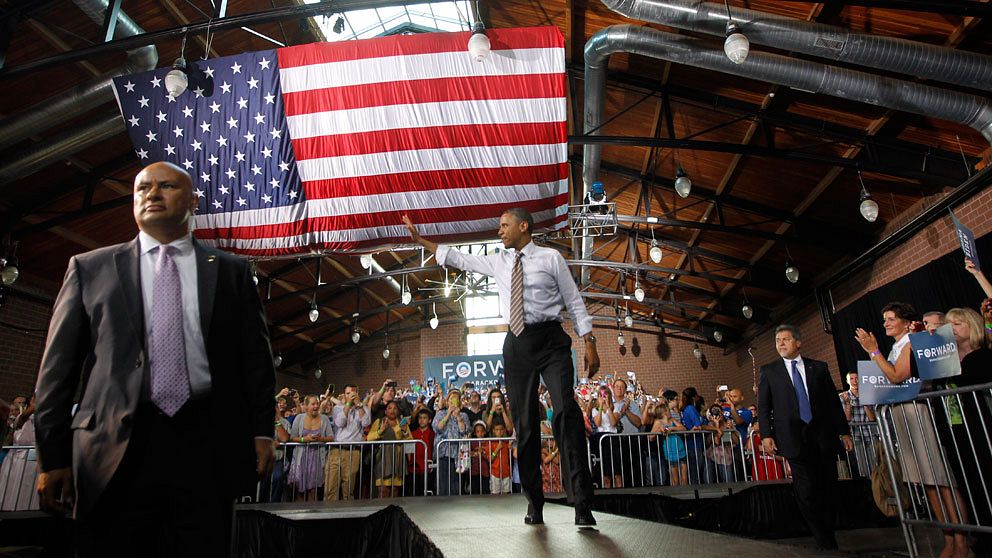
{"x": 167, "y": 346}
{"x": 805, "y": 411}
{"x": 517, "y": 297}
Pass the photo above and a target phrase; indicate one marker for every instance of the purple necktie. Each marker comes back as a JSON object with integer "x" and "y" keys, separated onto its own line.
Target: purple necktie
{"x": 167, "y": 346}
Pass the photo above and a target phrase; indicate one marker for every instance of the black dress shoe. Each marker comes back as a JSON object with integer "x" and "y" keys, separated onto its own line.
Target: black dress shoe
{"x": 583, "y": 516}
{"x": 535, "y": 516}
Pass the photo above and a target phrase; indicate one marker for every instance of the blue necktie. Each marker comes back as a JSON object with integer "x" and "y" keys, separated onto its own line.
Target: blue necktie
{"x": 805, "y": 411}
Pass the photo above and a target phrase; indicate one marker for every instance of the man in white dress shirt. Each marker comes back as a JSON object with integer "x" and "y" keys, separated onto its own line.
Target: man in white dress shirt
{"x": 534, "y": 287}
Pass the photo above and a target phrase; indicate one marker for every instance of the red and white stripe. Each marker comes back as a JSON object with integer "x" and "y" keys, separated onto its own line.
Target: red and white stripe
{"x": 412, "y": 125}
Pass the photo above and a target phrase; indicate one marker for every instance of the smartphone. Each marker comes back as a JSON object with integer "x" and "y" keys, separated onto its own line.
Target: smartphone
{"x": 330, "y": 389}
{"x": 404, "y": 421}
{"x": 723, "y": 388}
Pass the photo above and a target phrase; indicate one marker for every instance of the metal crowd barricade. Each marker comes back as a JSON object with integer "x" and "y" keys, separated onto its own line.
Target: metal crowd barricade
{"x": 345, "y": 471}
{"x": 938, "y": 447}
{"x": 18, "y": 476}
{"x": 468, "y": 466}
{"x": 644, "y": 459}
{"x": 860, "y": 462}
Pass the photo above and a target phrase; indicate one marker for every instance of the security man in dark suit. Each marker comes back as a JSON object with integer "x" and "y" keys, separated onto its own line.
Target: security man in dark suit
{"x": 801, "y": 417}
{"x": 166, "y": 342}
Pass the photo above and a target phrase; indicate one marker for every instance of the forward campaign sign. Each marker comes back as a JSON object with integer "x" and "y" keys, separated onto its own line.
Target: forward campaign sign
{"x": 936, "y": 355}
{"x": 485, "y": 371}
{"x": 875, "y": 389}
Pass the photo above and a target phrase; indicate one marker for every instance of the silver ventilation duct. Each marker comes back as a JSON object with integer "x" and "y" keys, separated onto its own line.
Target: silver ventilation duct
{"x": 826, "y": 41}
{"x": 50, "y": 150}
{"x": 88, "y": 96}
{"x": 804, "y": 75}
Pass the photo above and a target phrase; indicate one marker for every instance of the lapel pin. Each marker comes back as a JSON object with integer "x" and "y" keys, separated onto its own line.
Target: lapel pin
{"x": 211, "y": 258}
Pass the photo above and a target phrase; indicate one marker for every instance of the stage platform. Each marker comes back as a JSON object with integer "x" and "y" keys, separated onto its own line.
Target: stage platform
{"x": 492, "y": 526}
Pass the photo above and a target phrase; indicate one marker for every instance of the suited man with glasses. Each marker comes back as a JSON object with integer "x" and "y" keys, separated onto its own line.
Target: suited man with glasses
{"x": 802, "y": 419}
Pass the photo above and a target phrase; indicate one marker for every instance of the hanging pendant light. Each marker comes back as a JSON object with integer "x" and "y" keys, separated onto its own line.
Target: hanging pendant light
{"x": 737, "y": 46}
{"x": 479, "y": 45}
{"x": 313, "y": 314}
{"x": 791, "y": 272}
{"x": 406, "y": 296}
{"x": 655, "y": 251}
{"x": 746, "y": 308}
{"x": 434, "y": 321}
{"x": 717, "y": 335}
{"x": 683, "y": 185}
{"x": 869, "y": 207}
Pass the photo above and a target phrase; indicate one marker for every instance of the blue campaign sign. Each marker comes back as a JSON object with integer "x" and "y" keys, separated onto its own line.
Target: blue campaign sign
{"x": 485, "y": 371}
{"x": 875, "y": 389}
{"x": 936, "y": 355}
{"x": 967, "y": 240}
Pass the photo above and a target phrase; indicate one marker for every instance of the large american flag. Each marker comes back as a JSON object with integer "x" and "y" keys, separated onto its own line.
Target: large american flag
{"x": 324, "y": 147}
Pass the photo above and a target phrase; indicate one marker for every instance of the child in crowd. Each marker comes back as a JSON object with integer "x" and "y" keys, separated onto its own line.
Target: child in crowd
{"x": 499, "y": 468}
{"x": 675, "y": 451}
{"x": 422, "y": 453}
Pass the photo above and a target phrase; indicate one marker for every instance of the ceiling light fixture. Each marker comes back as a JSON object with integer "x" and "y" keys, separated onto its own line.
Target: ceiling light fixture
{"x": 177, "y": 80}
{"x": 318, "y": 372}
{"x": 717, "y": 335}
{"x": 434, "y": 320}
{"x": 791, "y": 271}
{"x": 356, "y": 335}
{"x": 314, "y": 312}
{"x": 638, "y": 291}
{"x": 655, "y": 251}
{"x": 406, "y": 296}
{"x": 746, "y": 308}
{"x": 736, "y": 47}
{"x": 683, "y": 185}
{"x": 9, "y": 272}
{"x": 277, "y": 360}
{"x": 869, "y": 207}
{"x": 478, "y": 44}
{"x": 366, "y": 261}
{"x": 620, "y": 339}
{"x": 697, "y": 352}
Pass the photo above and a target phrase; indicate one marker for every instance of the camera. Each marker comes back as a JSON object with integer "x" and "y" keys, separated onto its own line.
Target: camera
{"x": 391, "y": 385}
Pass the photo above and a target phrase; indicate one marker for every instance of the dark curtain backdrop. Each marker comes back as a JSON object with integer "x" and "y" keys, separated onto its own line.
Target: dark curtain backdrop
{"x": 940, "y": 285}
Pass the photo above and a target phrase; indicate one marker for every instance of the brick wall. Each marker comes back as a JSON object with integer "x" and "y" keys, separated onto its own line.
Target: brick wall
{"x": 22, "y": 340}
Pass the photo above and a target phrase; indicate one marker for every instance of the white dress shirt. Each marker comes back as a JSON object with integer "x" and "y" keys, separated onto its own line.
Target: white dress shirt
{"x": 548, "y": 287}
{"x": 185, "y": 258}
{"x": 802, "y": 371}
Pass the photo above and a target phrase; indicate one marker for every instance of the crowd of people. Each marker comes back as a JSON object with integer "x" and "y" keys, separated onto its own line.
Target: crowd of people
{"x": 460, "y": 439}
{"x": 941, "y": 442}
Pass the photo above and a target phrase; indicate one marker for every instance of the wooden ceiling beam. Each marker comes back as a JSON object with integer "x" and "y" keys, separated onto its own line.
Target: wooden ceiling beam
{"x": 873, "y": 129}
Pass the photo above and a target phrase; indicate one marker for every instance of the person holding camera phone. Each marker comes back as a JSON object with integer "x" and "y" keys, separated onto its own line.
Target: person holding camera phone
{"x": 534, "y": 286}
{"x": 388, "y": 464}
{"x": 496, "y": 412}
{"x": 350, "y": 418}
{"x": 386, "y": 394}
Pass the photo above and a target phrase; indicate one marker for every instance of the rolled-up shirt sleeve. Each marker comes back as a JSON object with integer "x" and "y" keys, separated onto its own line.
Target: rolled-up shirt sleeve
{"x": 570, "y": 295}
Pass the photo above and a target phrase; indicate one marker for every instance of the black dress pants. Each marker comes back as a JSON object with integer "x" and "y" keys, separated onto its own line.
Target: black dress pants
{"x": 544, "y": 349}
{"x": 814, "y": 481}
{"x": 166, "y": 498}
